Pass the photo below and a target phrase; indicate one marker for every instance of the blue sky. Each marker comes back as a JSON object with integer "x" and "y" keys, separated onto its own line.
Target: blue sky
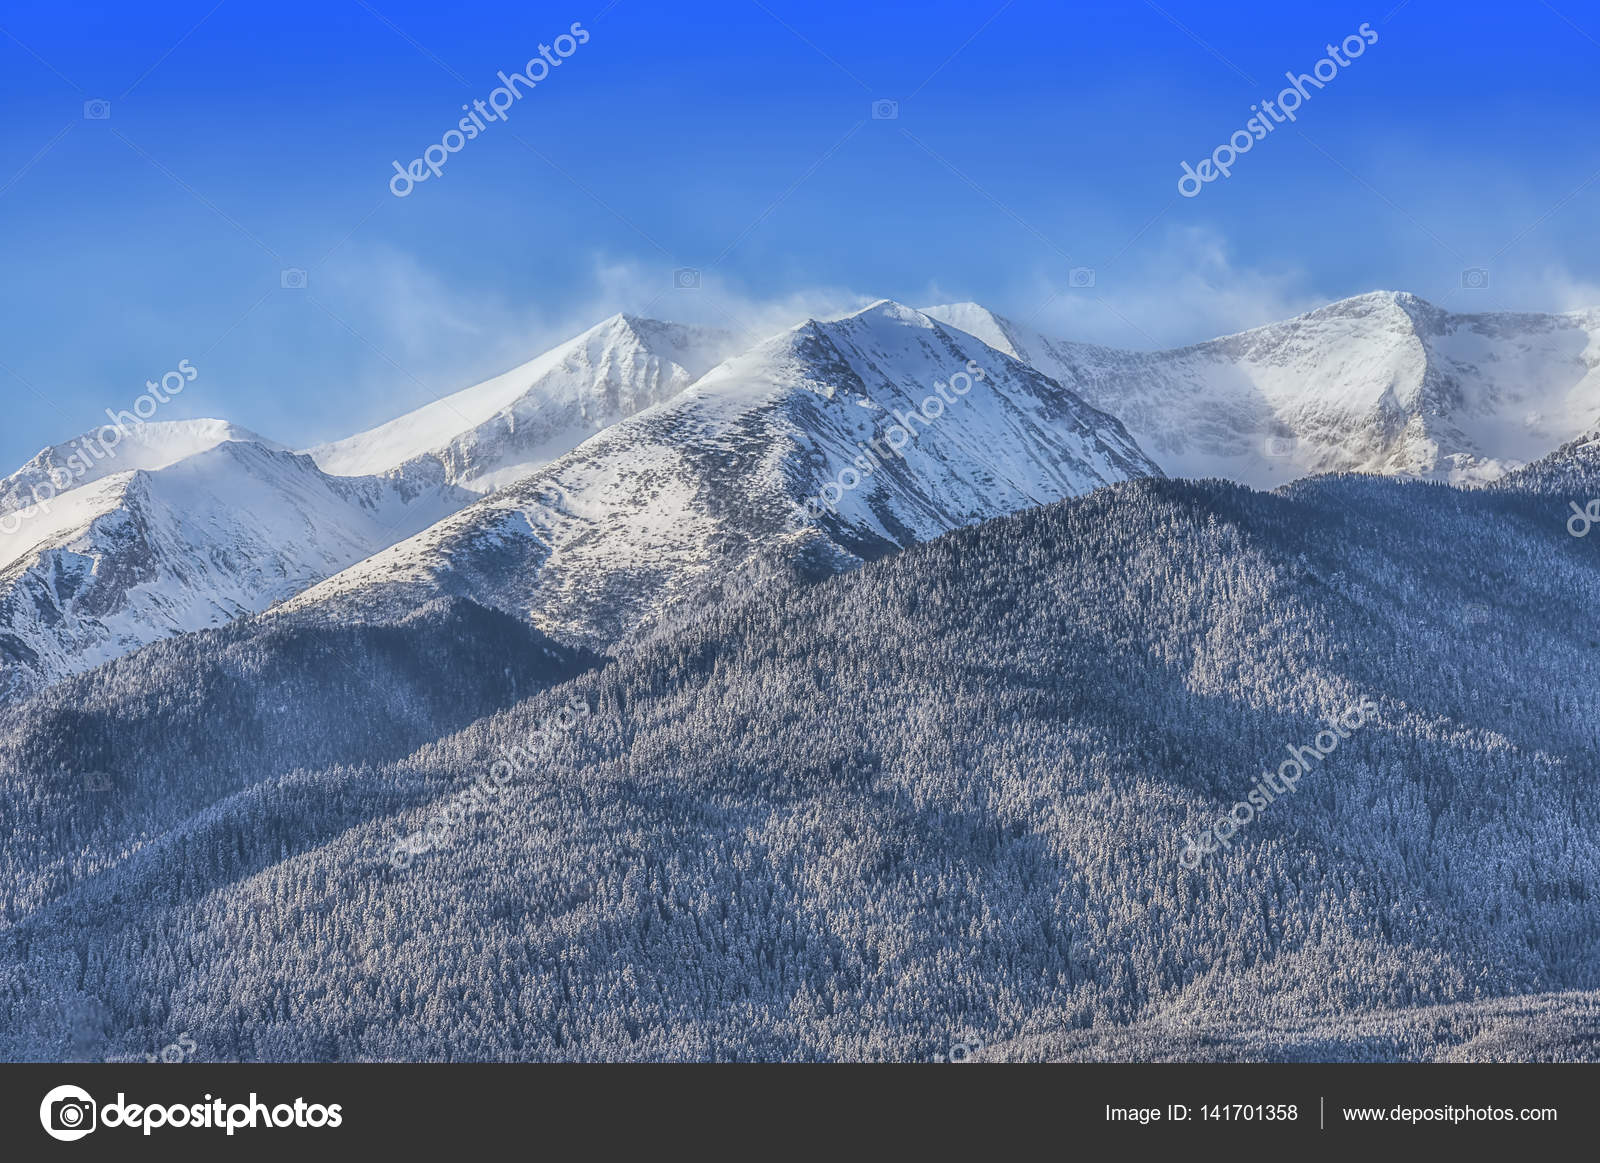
{"x": 738, "y": 138}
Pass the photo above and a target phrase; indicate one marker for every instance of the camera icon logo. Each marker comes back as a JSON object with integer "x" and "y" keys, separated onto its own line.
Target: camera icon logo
{"x": 96, "y": 110}
{"x": 1280, "y": 446}
{"x": 885, "y": 110}
{"x": 686, "y": 279}
{"x": 67, "y": 1113}
{"x": 293, "y": 279}
{"x": 1080, "y": 277}
{"x": 1474, "y": 279}
{"x": 967, "y": 1051}
{"x": 97, "y": 781}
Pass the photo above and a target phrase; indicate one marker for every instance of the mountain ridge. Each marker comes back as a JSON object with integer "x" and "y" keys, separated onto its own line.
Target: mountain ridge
{"x": 516, "y": 422}
{"x": 1383, "y": 382}
{"x": 1379, "y": 382}
{"x": 646, "y": 513}
{"x": 935, "y": 799}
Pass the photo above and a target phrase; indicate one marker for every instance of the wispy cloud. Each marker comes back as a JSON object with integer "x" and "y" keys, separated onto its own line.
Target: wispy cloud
{"x": 1186, "y": 289}
{"x": 447, "y": 335}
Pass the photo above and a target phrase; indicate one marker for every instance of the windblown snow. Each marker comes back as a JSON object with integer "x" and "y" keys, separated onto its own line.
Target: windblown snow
{"x": 497, "y": 432}
{"x": 689, "y": 492}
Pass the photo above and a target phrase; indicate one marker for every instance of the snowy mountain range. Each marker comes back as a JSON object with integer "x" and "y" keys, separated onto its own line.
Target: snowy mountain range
{"x": 189, "y": 524}
{"x": 643, "y": 465}
{"x": 591, "y": 537}
{"x": 685, "y": 494}
{"x": 1384, "y": 382}
{"x": 939, "y": 798}
{"x": 225, "y": 525}
{"x": 843, "y": 696}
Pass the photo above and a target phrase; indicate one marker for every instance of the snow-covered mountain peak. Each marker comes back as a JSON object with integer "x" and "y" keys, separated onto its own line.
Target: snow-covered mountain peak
{"x": 1378, "y": 301}
{"x": 1383, "y": 382}
{"x": 109, "y": 450}
{"x": 642, "y": 461}
{"x": 631, "y": 467}
{"x": 492, "y": 434}
{"x": 134, "y": 556}
{"x": 887, "y": 311}
{"x": 886, "y": 426}
{"x": 976, "y": 319}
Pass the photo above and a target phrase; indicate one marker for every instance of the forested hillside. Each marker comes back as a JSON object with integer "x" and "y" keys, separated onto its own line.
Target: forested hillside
{"x": 101, "y": 764}
{"x": 939, "y": 800}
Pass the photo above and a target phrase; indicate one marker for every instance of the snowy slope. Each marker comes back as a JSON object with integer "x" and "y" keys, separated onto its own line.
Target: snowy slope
{"x": 188, "y": 524}
{"x": 683, "y": 496}
{"x": 1571, "y": 474}
{"x": 1384, "y": 382}
{"x": 636, "y": 465}
{"x": 138, "y": 555}
{"x": 491, "y": 435}
{"x": 90, "y": 458}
